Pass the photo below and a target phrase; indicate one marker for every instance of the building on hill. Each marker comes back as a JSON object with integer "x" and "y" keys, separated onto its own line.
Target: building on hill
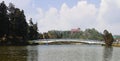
{"x": 75, "y": 30}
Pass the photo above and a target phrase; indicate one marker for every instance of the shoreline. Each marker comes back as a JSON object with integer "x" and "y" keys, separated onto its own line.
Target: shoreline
{"x": 32, "y": 43}
{"x": 72, "y": 43}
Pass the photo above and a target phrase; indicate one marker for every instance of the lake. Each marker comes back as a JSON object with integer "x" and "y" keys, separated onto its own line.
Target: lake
{"x": 59, "y": 53}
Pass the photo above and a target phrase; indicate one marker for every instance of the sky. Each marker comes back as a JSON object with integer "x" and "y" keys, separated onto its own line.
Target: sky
{"x": 68, "y": 14}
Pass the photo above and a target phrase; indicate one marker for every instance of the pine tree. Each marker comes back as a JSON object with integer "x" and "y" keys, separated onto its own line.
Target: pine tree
{"x": 33, "y": 34}
{"x": 4, "y": 21}
{"x": 19, "y": 26}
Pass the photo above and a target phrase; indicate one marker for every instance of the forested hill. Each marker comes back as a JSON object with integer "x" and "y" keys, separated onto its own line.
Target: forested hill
{"x": 13, "y": 25}
{"x": 90, "y": 34}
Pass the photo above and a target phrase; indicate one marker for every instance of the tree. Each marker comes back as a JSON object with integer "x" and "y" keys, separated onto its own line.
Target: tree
{"x": 4, "y": 21}
{"x": 13, "y": 26}
{"x": 22, "y": 24}
{"x": 54, "y": 34}
{"x": 108, "y": 38}
{"x": 45, "y": 35}
{"x": 33, "y": 30}
{"x": 19, "y": 26}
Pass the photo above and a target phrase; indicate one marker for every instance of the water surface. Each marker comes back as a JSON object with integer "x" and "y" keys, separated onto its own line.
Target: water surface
{"x": 59, "y": 53}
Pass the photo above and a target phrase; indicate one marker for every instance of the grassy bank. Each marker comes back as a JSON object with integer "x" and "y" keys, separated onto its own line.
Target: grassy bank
{"x": 116, "y": 44}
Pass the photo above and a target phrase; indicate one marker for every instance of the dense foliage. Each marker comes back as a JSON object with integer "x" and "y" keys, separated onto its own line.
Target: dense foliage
{"x": 108, "y": 38}
{"x": 13, "y": 26}
{"x": 91, "y": 34}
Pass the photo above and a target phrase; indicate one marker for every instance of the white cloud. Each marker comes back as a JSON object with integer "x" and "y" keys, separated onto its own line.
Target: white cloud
{"x": 81, "y": 15}
{"x": 109, "y": 15}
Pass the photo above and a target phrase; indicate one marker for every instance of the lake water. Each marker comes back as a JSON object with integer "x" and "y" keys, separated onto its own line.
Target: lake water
{"x": 59, "y": 53}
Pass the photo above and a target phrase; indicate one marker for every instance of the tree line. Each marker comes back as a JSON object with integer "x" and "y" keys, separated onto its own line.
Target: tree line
{"x": 14, "y": 27}
{"x": 90, "y": 34}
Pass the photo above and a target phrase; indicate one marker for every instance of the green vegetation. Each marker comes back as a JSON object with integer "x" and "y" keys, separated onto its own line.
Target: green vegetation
{"x": 108, "y": 38}
{"x": 13, "y": 26}
{"x": 91, "y": 34}
{"x": 116, "y": 37}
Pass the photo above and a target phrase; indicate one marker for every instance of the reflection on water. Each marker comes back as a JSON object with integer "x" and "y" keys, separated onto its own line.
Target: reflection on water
{"x": 70, "y": 53}
{"x": 59, "y": 53}
{"x": 18, "y": 53}
{"x": 13, "y": 53}
{"x": 32, "y": 53}
{"x": 107, "y": 53}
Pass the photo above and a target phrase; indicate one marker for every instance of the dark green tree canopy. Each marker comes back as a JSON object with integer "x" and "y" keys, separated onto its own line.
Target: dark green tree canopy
{"x": 33, "y": 34}
{"x": 13, "y": 25}
{"x": 4, "y": 21}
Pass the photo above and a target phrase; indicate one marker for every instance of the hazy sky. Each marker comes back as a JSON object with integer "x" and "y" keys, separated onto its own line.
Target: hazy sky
{"x": 67, "y": 14}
